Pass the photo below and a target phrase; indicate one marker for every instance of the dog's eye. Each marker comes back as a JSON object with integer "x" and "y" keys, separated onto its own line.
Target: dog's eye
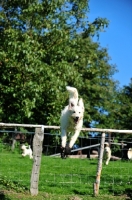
{"x": 74, "y": 112}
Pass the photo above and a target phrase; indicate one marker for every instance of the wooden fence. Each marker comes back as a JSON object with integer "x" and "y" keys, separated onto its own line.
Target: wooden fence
{"x": 37, "y": 151}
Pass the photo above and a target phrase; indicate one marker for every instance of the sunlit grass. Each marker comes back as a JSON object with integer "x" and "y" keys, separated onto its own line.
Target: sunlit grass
{"x": 66, "y": 176}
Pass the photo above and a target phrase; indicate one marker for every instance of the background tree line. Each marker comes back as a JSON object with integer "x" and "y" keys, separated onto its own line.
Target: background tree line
{"x": 46, "y": 45}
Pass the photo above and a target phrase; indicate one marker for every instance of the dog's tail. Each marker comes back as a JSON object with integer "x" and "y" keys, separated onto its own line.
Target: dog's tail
{"x": 73, "y": 95}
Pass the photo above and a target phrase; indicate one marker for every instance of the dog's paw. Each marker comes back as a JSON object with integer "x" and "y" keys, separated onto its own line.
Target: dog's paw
{"x": 67, "y": 150}
{"x": 63, "y": 153}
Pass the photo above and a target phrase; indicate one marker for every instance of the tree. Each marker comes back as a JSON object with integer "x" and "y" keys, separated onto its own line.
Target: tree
{"x": 46, "y": 45}
{"x": 124, "y": 115}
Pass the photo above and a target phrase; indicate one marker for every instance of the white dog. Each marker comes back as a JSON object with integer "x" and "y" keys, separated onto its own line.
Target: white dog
{"x": 107, "y": 153}
{"x": 27, "y": 151}
{"x": 71, "y": 119}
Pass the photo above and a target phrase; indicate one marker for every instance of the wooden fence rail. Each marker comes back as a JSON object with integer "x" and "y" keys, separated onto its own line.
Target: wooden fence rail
{"x": 58, "y": 127}
{"x": 37, "y": 151}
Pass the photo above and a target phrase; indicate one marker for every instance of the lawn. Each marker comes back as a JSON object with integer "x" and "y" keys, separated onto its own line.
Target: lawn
{"x": 63, "y": 178}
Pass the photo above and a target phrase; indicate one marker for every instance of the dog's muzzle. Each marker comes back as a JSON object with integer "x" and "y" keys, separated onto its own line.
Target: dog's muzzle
{"x": 76, "y": 119}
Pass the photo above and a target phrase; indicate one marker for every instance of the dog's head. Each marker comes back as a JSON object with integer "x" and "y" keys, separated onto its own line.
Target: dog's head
{"x": 107, "y": 149}
{"x": 106, "y": 144}
{"x": 23, "y": 147}
{"x": 76, "y": 111}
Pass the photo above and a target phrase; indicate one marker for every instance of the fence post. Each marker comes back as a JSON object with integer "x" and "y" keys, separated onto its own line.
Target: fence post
{"x": 99, "y": 168}
{"x": 13, "y": 139}
{"x": 37, "y": 153}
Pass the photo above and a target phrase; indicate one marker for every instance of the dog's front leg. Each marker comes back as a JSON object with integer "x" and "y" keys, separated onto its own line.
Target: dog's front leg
{"x": 74, "y": 138}
{"x": 31, "y": 156}
{"x": 63, "y": 142}
{"x": 63, "y": 138}
{"x": 107, "y": 161}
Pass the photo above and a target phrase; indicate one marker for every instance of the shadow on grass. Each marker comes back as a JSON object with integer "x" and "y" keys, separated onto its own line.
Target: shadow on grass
{"x": 80, "y": 192}
{"x": 93, "y": 163}
{"x": 2, "y": 196}
{"x": 128, "y": 191}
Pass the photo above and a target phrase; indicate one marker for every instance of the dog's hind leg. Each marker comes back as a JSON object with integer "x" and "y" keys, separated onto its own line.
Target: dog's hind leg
{"x": 74, "y": 138}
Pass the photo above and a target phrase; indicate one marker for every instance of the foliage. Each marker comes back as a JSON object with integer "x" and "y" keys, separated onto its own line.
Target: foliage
{"x": 46, "y": 45}
{"x": 125, "y": 112}
{"x": 122, "y": 112}
{"x": 9, "y": 195}
{"x": 14, "y": 185}
{"x": 5, "y": 145}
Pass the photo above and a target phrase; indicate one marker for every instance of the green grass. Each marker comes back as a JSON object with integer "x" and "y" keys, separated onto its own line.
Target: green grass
{"x": 63, "y": 178}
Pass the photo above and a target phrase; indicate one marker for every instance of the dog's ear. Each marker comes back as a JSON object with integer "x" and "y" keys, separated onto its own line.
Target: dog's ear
{"x": 81, "y": 104}
{"x": 71, "y": 105}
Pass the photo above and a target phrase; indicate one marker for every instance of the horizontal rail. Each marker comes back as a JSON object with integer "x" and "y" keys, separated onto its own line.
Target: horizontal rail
{"x": 118, "y": 143}
{"x": 106, "y": 130}
{"x": 79, "y": 149}
{"x": 20, "y": 125}
{"x": 58, "y": 127}
{"x": 28, "y": 125}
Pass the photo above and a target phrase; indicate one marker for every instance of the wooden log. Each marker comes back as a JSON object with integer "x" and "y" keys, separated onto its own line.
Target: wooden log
{"x": 94, "y": 156}
{"x": 77, "y": 156}
{"x": 99, "y": 168}
{"x": 37, "y": 153}
{"x": 94, "y": 152}
{"x": 115, "y": 158}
